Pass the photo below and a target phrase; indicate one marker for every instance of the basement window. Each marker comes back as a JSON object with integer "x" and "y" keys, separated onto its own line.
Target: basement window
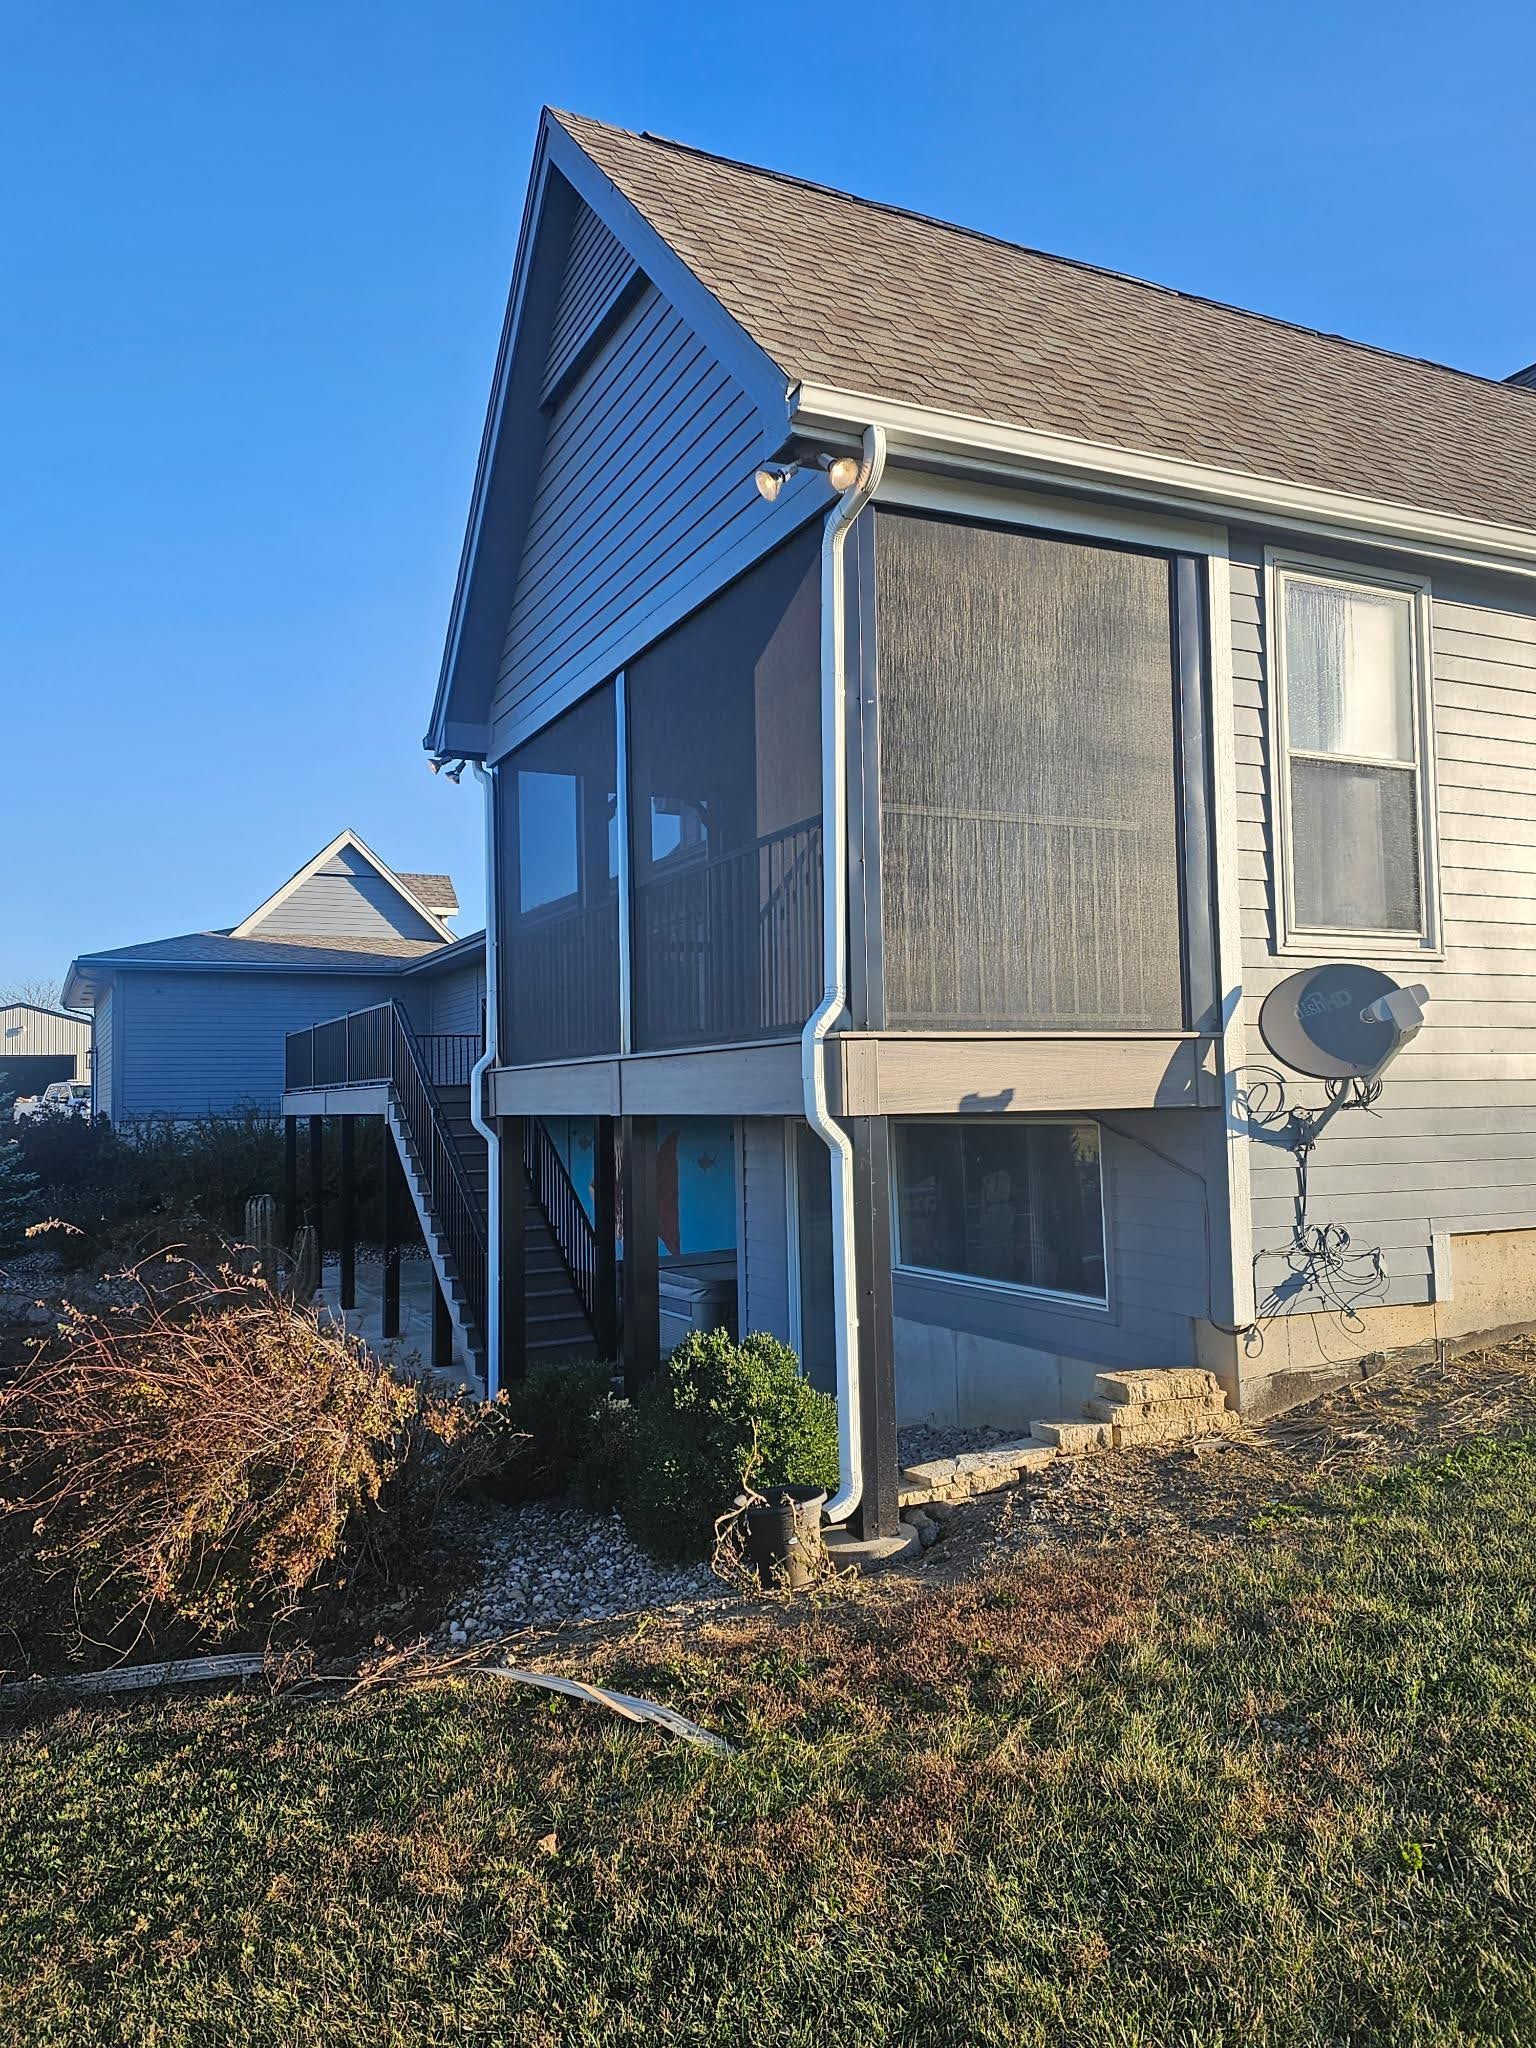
{"x": 1353, "y": 790}
{"x": 1011, "y": 1203}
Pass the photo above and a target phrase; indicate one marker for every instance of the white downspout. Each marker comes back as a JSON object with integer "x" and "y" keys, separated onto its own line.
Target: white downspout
{"x": 834, "y": 927}
{"x": 477, "y": 1116}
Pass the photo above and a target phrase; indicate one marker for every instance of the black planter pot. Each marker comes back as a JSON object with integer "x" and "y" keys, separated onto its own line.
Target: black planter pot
{"x": 784, "y": 1536}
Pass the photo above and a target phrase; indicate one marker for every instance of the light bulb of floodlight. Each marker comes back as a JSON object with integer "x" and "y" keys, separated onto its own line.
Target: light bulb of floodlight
{"x": 843, "y": 472}
{"x": 770, "y": 481}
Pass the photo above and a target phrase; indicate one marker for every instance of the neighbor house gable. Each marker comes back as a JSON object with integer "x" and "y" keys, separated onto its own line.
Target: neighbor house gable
{"x": 345, "y": 892}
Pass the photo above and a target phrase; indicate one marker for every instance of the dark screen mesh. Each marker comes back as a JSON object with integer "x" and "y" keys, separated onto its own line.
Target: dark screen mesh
{"x": 1029, "y": 857}
{"x": 557, "y": 851}
{"x": 725, "y": 790}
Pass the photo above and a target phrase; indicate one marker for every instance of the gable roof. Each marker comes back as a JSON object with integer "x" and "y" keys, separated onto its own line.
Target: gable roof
{"x": 345, "y": 840}
{"x": 436, "y": 892}
{"x": 869, "y": 299}
{"x": 46, "y": 1010}
{"x": 202, "y": 952}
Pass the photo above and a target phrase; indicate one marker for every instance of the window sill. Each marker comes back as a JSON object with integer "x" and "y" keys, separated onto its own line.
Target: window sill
{"x": 1007, "y": 1291}
{"x": 1363, "y": 946}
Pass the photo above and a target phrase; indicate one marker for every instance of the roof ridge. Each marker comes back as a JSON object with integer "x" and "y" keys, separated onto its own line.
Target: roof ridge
{"x": 1044, "y": 255}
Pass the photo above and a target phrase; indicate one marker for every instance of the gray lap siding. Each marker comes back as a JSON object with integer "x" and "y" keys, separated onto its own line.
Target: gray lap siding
{"x": 1451, "y": 1146}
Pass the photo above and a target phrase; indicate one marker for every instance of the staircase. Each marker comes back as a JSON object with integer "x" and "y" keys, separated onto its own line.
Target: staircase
{"x": 558, "y": 1326}
{"x": 447, "y": 1170}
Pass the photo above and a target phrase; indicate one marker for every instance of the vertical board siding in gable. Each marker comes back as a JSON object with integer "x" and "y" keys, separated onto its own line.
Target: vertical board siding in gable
{"x": 597, "y": 268}
{"x": 1452, "y": 1143}
{"x": 765, "y": 1229}
{"x": 645, "y": 487}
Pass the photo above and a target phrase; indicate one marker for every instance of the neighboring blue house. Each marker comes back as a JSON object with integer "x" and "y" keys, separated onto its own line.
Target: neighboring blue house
{"x": 194, "y": 1025}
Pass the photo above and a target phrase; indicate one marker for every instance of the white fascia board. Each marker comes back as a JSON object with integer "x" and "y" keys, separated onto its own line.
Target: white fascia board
{"x": 346, "y": 838}
{"x": 922, "y": 432}
{"x": 490, "y": 434}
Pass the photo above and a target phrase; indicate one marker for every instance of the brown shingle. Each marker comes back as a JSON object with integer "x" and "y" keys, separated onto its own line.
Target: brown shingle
{"x": 845, "y": 292}
{"x": 435, "y": 891}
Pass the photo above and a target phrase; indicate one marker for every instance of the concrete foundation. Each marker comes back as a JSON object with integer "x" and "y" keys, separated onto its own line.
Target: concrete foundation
{"x": 1487, "y": 1290}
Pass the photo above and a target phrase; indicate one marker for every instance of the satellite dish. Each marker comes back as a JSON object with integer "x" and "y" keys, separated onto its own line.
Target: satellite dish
{"x": 1340, "y": 1022}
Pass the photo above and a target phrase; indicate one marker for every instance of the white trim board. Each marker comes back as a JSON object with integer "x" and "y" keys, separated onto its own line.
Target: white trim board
{"x": 926, "y": 434}
{"x": 1229, "y": 933}
{"x": 1306, "y": 942}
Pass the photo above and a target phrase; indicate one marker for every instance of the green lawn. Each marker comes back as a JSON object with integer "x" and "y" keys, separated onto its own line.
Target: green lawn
{"x": 1278, "y": 1789}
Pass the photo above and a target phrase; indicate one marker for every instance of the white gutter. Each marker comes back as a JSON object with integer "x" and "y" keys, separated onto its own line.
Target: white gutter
{"x": 834, "y": 929}
{"x": 477, "y": 1076}
{"x": 924, "y": 433}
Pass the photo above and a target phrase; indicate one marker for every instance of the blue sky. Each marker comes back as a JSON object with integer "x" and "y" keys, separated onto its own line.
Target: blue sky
{"x": 254, "y": 261}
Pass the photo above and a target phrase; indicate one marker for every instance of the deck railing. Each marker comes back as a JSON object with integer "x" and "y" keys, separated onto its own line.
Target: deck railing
{"x": 729, "y": 947}
{"x": 370, "y": 1047}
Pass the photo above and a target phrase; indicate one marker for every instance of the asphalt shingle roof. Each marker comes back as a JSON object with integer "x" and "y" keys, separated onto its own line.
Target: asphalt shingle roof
{"x": 847, "y": 292}
{"x": 435, "y": 891}
{"x": 309, "y": 955}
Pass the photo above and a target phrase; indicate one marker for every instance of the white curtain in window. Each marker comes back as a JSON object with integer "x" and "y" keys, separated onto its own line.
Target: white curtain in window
{"x": 1349, "y": 671}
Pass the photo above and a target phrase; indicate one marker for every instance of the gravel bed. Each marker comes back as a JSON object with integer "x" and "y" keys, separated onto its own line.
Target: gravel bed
{"x": 549, "y": 1566}
{"x": 35, "y": 1289}
{"x": 920, "y": 1443}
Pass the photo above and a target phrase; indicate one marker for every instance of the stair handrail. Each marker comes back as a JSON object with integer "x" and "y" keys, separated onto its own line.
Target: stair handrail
{"x": 387, "y": 1044}
{"x": 454, "y": 1201}
{"x": 564, "y": 1211}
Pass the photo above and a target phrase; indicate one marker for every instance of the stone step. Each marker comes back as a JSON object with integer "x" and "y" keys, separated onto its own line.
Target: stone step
{"x": 1071, "y": 1439}
{"x": 1174, "y": 1429}
{"x": 1158, "y": 1385}
{"x": 1128, "y": 1414}
{"x": 972, "y": 1472}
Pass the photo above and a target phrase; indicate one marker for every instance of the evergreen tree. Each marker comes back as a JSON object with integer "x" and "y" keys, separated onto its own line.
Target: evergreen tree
{"x": 18, "y": 1184}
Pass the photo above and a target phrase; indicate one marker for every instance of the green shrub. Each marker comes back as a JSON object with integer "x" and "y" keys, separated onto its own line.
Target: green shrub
{"x": 604, "y": 1475}
{"x": 557, "y": 1407}
{"x": 716, "y": 1413}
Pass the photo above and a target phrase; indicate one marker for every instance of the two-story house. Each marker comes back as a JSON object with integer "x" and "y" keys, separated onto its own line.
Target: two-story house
{"x": 927, "y": 692}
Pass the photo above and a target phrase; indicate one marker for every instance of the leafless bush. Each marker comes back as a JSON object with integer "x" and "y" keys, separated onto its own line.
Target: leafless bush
{"x": 206, "y": 1458}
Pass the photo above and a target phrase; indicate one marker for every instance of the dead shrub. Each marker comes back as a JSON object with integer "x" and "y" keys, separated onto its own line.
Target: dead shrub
{"x": 206, "y": 1460}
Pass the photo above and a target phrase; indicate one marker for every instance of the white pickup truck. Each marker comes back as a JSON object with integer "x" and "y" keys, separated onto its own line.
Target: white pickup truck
{"x": 59, "y": 1098}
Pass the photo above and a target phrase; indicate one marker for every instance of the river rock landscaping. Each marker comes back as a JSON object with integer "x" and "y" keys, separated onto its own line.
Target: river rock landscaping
{"x": 548, "y": 1565}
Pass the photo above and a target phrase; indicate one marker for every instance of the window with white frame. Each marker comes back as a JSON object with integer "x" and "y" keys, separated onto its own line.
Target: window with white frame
{"x": 997, "y": 1199}
{"x": 1352, "y": 755}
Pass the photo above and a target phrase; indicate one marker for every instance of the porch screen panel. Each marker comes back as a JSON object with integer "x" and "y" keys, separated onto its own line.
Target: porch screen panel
{"x": 557, "y": 856}
{"x": 1029, "y": 837}
{"x": 725, "y": 812}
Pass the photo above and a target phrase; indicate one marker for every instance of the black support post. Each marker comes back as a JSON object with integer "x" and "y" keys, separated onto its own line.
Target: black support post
{"x": 346, "y": 1217}
{"x": 317, "y": 1185}
{"x": 290, "y": 1178}
{"x": 605, "y": 1222}
{"x": 442, "y": 1327}
{"x": 641, "y": 1344}
{"x": 878, "y": 1510}
{"x": 392, "y": 1194}
{"x": 511, "y": 1280}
